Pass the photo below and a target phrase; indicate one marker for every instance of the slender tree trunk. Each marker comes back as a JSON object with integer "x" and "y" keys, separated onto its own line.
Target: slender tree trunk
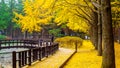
{"x": 95, "y": 30}
{"x": 108, "y": 41}
{"x": 95, "y": 37}
{"x": 99, "y": 39}
{"x": 91, "y": 34}
{"x": 99, "y": 31}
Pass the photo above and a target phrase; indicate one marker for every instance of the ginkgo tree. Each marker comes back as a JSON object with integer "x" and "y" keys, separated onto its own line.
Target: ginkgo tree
{"x": 35, "y": 14}
{"x": 38, "y": 12}
{"x": 80, "y": 15}
{"x": 104, "y": 7}
{"x": 116, "y": 18}
{"x": 74, "y": 13}
{"x": 71, "y": 13}
{"x": 108, "y": 50}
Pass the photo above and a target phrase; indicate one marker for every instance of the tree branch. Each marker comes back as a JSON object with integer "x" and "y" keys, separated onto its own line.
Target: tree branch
{"x": 82, "y": 16}
{"x": 97, "y": 5}
{"x": 84, "y": 12}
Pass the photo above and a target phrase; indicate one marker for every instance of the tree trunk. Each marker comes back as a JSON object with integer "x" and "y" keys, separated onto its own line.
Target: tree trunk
{"x": 108, "y": 41}
{"x": 95, "y": 29}
{"x": 99, "y": 37}
{"x": 99, "y": 31}
{"x": 91, "y": 34}
{"x": 94, "y": 35}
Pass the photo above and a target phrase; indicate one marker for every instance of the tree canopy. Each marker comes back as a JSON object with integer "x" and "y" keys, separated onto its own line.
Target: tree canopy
{"x": 38, "y": 12}
{"x": 35, "y": 14}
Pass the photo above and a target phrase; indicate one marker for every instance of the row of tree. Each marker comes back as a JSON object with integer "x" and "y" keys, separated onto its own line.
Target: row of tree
{"x": 93, "y": 17}
{"x": 11, "y": 29}
{"x": 74, "y": 14}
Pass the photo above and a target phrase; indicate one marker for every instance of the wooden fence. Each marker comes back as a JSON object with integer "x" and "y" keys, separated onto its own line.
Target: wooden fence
{"x": 23, "y": 58}
{"x": 23, "y": 43}
{"x": 37, "y": 51}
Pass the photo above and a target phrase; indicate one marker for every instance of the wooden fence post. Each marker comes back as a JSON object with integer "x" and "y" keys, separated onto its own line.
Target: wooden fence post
{"x": 29, "y": 60}
{"x": 19, "y": 56}
{"x": 39, "y": 53}
{"x": 14, "y": 59}
{"x": 46, "y": 49}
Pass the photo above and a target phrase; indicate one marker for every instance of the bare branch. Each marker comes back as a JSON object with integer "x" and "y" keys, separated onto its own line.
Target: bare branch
{"x": 88, "y": 5}
{"x": 84, "y": 12}
{"x": 82, "y": 16}
{"x": 97, "y": 5}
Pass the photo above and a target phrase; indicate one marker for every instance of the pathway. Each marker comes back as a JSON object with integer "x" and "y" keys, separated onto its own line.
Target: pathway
{"x": 53, "y": 61}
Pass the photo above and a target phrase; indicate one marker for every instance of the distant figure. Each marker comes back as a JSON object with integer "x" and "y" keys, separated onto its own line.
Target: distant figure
{"x": 86, "y": 37}
{"x": 52, "y": 38}
{"x": 40, "y": 40}
{"x": 118, "y": 41}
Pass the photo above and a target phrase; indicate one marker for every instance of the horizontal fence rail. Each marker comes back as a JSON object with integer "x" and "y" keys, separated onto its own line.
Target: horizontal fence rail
{"x": 22, "y": 43}
{"x": 37, "y": 51}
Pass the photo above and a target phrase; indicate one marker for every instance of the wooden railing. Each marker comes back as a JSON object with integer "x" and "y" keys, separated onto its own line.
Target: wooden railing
{"x": 17, "y": 43}
{"x": 37, "y": 51}
{"x": 22, "y": 43}
{"x": 27, "y": 57}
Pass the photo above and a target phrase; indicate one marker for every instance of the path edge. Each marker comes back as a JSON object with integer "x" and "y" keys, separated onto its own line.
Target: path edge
{"x": 64, "y": 63}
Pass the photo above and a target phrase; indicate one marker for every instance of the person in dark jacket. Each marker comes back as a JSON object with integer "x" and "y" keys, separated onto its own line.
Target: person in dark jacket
{"x": 52, "y": 38}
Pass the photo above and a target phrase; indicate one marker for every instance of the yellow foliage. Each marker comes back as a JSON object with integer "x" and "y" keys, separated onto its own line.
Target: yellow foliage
{"x": 86, "y": 57}
{"x": 117, "y": 55}
{"x": 35, "y": 14}
{"x": 69, "y": 41}
{"x": 87, "y": 45}
{"x": 71, "y": 13}
{"x": 41, "y": 11}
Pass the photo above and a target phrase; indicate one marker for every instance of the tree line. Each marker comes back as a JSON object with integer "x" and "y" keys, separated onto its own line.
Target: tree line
{"x": 97, "y": 18}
